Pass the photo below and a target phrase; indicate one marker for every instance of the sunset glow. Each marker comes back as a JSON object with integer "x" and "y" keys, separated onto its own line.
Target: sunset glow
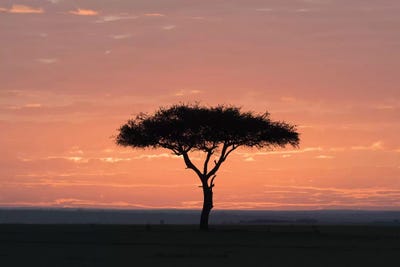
{"x": 72, "y": 72}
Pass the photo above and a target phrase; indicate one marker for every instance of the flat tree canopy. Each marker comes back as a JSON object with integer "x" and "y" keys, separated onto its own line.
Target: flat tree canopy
{"x": 221, "y": 129}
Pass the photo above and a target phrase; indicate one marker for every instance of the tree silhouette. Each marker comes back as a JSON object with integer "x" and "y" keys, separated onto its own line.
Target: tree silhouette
{"x": 216, "y": 131}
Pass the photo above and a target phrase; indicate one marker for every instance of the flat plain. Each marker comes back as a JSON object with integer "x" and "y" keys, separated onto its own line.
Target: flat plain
{"x": 184, "y": 245}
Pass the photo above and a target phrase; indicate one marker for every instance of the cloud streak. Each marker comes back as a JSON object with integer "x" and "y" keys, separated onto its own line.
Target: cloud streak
{"x": 332, "y": 197}
{"x": 75, "y": 202}
{"x": 376, "y": 146}
{"x": 373, "y": 147}
{"x": 84, "y": 12}
{"x": 47, "y": 60}
{"x": 168, "y": 27}
{"x": 309, "y": 198}
{"x": 285, "y": 153}
{"x": 187, "y": 92}
{"x": 75, "y": 182}
{"x": 121, "y": 36}
{"x": 23, "y": 9}
{"x": 79, "y": 158}
{"x": 154, "y": 15}
{"x": 325, "y": 157}
{"x": 113, "y": 18}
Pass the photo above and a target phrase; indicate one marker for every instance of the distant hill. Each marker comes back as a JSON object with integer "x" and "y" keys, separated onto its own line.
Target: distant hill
{"x": 114, "y": 216}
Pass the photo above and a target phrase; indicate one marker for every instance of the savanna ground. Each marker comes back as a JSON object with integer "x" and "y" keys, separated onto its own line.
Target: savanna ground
{"x": 184, "y": 245}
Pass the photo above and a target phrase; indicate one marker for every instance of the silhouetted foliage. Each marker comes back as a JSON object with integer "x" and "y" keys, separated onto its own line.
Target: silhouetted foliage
{"x": 221, "y": 129}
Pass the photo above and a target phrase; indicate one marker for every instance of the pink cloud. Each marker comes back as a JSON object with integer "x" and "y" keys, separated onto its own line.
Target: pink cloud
{"x": 84, "y": 12}
{"x": 22, "y": 9}
{"x": 154, "y": 15}
{"x": 373, "y": 147}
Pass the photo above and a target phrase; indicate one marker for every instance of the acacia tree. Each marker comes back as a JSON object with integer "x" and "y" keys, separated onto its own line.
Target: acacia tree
{"x": 216, "y": 131}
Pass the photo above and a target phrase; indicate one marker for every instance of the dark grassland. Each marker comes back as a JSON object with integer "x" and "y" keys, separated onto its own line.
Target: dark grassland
{"x": 184, "y": 245}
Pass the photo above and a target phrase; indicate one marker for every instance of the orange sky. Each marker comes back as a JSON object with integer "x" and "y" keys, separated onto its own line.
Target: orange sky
{"x": 71, "y": 72}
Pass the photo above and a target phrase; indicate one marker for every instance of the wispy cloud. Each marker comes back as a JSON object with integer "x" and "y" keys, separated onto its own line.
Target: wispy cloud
{"x": 58, "y": 176}
{"x": 169, "y": 27}
{"x": 154, "y": 15}
{"x": 33, "y": 105}
{"x": 76, "y": 202}
{"x": 331, "y": 196}
{"x": 324, "y": 157}
{"x": 373, "y": 147}
{"x": 76, "y": 159}
{"x": 153, "y": 156}
{"x": 121, "y": 36}
{"x": 113, "y": 159}
{"x": 376, "y": 146}
{"x": 76, "y": 150}
{"x": 187, "y": 92}
{"x": 303, "y": 10}
{"x": 25, "y": 106}
{"x": 78, "y": 156}
{"x": 289, "y": 99}
{"x": 43, "y": 35}
{"x": 23, "y": 9}
{"x": 84, "y": 12}
{"x": 112, "y": 18}
{"x": 309, "y": 197}
{"x": 198, "y": 18}
{"x": 393, "y": 104}
{"x": 385, "y": 107}
{"x": 284, "y": 152}
{"x": 75, "y": 181}
{"x": 47, "y": 60}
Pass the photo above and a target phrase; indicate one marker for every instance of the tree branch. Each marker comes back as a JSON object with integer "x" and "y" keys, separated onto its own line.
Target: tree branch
{"x": 175, "y": 149}
{"x": 230, "y": 150}
{"x": 209, "y": 154}
{"x": 190, "y": 165}
{"x": 224, "y": 154}
{"x": 218, "y": 162}
{"x": 176, "y": 152}
{"x": 212, "y": 181}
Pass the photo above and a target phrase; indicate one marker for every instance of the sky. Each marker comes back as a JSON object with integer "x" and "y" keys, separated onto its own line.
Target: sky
{"x": 73, "y": 71}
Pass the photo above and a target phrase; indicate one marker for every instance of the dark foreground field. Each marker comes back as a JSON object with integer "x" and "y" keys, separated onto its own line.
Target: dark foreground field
{"x": 166, "y": 245}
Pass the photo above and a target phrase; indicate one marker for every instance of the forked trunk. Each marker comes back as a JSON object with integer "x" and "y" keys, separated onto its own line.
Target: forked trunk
{"x": 207, "y": 206}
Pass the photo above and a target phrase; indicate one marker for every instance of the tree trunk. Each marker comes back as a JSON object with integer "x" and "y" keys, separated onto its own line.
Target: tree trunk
{"x": 207, "y": 206}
